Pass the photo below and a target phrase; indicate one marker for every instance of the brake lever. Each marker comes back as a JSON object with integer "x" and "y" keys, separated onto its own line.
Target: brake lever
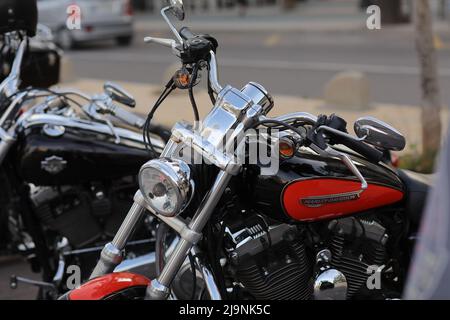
{"x": 348, "y": 163}
{"x": 328, "y": 151}
{"x": 338, "y": 132}
{"x": 169, "y": 43}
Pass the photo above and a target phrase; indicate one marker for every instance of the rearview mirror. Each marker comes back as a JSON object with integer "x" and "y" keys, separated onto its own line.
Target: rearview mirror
{"x": 177, "y": 9}
{"x": 379, "y": 134}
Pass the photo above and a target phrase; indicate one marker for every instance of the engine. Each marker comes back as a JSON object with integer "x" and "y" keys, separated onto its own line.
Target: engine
{"x": 283, "y": 261}
{"x": 358, "y": 250}
{"x": 85, "y": 215}
{"x": 269, "y": 261}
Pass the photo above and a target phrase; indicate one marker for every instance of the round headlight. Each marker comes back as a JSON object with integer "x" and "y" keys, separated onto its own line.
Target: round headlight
{"x": 166, "y": 185}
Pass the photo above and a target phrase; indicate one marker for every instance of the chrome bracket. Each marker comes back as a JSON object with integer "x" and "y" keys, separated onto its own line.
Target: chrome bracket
{"x": 349, "y": 164}
{"x": 176, "y": 223}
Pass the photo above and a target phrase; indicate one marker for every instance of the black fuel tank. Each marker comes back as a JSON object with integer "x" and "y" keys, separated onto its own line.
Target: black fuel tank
{"x": 311, "y": 187}
{"x": 79, "y": 152}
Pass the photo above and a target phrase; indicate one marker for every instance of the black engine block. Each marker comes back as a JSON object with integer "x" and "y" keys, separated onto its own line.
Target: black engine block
{"x": 270, "y": 262}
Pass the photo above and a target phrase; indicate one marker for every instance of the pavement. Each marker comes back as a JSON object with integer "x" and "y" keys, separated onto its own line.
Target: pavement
{"x": 16, "y": 265}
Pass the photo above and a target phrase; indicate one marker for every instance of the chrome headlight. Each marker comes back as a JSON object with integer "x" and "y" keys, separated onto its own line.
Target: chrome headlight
{"x": 166, "y": 185}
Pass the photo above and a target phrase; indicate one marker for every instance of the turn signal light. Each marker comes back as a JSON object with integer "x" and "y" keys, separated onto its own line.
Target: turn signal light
{"x": 286, "y": 148}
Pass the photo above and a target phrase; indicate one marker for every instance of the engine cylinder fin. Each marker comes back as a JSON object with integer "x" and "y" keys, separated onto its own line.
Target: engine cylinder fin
{"x": 283, "y": 281}
{"x": 355, "y": 266}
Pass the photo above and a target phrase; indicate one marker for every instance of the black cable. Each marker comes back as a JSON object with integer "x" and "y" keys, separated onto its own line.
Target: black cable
{"x": 50, "y": 93}
{"x": 194, "y": 276}
{"x": 280, "y": 123}
{"x": 147, "y": 125}
{"x": 58, "y": 94}
{"x": 191, "y": 92}
{"x": 210, "y": 90}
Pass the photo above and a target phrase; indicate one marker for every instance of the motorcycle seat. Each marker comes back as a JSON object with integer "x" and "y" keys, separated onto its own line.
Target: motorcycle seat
{"x": 417, "y": 187}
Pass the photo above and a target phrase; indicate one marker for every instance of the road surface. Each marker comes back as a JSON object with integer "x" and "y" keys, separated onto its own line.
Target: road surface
{"x": 285, "y": 62}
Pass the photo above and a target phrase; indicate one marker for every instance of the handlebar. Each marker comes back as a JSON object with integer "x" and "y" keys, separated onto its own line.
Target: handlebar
{"x": 10, "y": 85}
{"x": 354, "y": 144}
{"x": 127, "y": 117}
{"x": 340, "y": 137}
{"x": 186, "y": 33}
{"x": 170, "y": 43}
{"x": 303, "y": 117}
{"x": 360, "y": 147}
{"x": 103, "y": 102}
{"x": 213, "y": 73}
{"x": 117, "y": 111}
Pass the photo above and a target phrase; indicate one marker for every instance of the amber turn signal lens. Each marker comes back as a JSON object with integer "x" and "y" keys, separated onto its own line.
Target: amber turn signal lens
{"x": 184, "y": 79}
{"x": 286, "y": 148}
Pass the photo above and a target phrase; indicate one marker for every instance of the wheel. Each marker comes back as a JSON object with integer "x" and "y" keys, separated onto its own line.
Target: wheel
{"x": 124, "y": 41}
{"x": 65, "y": 40}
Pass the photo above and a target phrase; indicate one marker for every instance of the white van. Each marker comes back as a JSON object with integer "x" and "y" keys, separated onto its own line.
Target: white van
{"x": 99, "y": 20}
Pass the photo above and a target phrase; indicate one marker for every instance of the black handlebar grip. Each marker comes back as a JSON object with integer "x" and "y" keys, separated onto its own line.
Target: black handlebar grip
{"x": 186, "y": 33}
{"x": 363, "y": 149}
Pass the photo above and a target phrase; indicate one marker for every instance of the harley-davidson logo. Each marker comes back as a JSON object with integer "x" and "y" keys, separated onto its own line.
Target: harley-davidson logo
{"x": 53, "y": 164}
{"x": 319, "y": 201}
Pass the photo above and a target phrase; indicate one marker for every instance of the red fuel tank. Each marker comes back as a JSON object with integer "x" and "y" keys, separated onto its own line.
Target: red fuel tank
{"x": 325, "y": 198}
{"x": 310, "y": 187}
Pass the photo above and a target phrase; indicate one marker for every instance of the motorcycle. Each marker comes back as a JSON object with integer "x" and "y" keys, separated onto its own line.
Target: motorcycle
{"x": 332, "y": 221}
{"x": 67, "y": 172}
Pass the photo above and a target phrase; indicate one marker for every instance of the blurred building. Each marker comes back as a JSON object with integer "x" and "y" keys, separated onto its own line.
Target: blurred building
{"x": 394, "y": 11}
{"x": 153, "y": 5}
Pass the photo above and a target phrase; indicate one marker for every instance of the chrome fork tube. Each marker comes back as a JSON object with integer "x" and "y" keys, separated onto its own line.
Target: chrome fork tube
{"x": 208, "y": 277}
{"x": 159, "y": 288}
{"x": 111, "y": 255}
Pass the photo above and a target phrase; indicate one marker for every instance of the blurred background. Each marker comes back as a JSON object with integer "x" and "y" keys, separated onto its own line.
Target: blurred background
{"x": 317, "y": 56}
{"x": 318, "y": 50}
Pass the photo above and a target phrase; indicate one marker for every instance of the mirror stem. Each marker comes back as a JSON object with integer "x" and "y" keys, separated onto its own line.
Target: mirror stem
{"x": 171, "y": 26}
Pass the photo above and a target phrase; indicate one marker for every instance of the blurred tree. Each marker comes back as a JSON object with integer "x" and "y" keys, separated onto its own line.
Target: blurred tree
{"x": 431, "y": 101}
{"x": 443, "y": 5}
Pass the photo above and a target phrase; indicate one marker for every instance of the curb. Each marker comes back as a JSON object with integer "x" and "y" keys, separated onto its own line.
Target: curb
{"x": 231, "y": 26}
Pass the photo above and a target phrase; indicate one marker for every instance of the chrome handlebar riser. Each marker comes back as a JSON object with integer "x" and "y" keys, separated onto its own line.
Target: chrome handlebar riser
{"x": 213, "y": 73}
{"x": 10, "y": 85}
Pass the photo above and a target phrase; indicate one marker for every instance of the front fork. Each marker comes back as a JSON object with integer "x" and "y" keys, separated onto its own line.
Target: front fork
{"x": 190, "y": 234}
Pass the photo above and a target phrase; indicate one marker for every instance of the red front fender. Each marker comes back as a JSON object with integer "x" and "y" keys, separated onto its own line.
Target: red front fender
{"x": 107, "y": 286}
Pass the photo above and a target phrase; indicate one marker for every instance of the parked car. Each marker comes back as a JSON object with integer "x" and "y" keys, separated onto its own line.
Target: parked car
{"x": 100, "y": 20}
